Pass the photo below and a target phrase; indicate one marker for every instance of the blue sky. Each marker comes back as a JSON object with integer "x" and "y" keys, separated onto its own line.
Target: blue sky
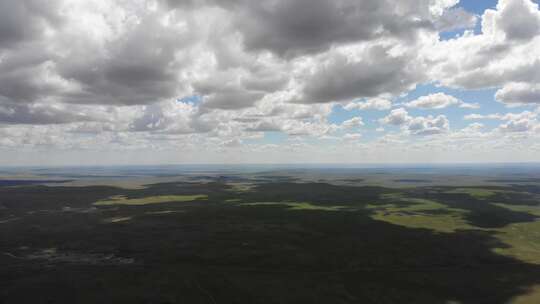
{"x": 484, "y": 97}
{"x": 477, "y": 6}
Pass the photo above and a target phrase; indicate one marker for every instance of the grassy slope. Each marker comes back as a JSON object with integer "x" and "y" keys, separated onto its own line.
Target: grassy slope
{"x": 123, "y": 200}
{"x": 522, "y": 239}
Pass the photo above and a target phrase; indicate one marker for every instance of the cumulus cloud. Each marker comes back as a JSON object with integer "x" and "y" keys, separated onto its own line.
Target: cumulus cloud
{"x": 376, "y": 103}
{"x": 519, "y": 93}
{"x": 168, "y": 117}
{"x": 482, "y": 116}
{"x": 429, "y": 125}
{"x": 45, "y": 113}
{"x": 525, "y": 27}
{"x": 419, "y": 125}
{"x": 511, "y": 122}
{"x": 25, "y": 20}
{"x": 232, "y": 143}
{"x": 120, "y": 70}
{"x": 95, "y": 54}
{"x": 517, "y": 125}
{"x": 439, "y": 101}
{"x": 119, "y": 53}
{"x": 298, "y": 27}
{"x": 297, "y": 128}
{"x": 507, "y": 116}
{"x": 353, "y": 123}
{"x": 519, "y": 122}
{"x": 504, "y": 52}
{"x": 370, "y": 72}
{"x": 397, "y": 117}
{"x": 456, "y": 18}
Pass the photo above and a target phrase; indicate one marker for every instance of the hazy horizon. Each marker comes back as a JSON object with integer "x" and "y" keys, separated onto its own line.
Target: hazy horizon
{"x": 336, "y": 165}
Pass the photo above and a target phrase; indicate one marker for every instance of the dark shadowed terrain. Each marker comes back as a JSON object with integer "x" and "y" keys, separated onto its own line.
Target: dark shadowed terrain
{"x": 270, "y": 235}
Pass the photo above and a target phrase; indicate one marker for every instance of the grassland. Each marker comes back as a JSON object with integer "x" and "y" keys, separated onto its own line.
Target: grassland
{"x": 521, "y": 208}
{"x": 118, "y": 219}
{"x": 298, "y": 206}
{"x": 519, "y": 240}
{"x": 419, "y": 213}
{"x": 531, "y": 296}
{"x": 241, "y": 187}
{"x": 522, "y": 240}
{"x": 123, "y": 200}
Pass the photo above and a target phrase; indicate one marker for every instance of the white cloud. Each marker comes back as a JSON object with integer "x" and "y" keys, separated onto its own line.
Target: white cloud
{"x": 429, "y": 125}
{"x": 353, "y": 123}
{"x": 507, "y": 116}
{"x": 519, "y": 93}
{"x": 481, "y": 116}
{"x": 352, "y": 136}
{"x": 419, "y": 125}
{"x": 518, "y": 125}
{"x": 397, "y": 117}
{"x": 232, "y": 143}
{"x": 360, "y": 71}
{"x": 439, "y": 101}
{"x": 455, "y": 19}
{"x": 504, "y": 52}
{"x": 523, "y": 28}
{"x": 108, "y": 74}
{"x": 512, "y": 122}
{"x": 376, "y": 103}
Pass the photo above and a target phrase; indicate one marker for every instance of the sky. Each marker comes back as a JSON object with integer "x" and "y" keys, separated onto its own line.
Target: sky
{"x": 106, "y": 82}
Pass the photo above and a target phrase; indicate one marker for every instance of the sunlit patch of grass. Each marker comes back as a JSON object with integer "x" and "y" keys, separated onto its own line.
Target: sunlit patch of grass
{"x": 523, "y": 240}
{"x": 298, "y": 206}
{"x": 534, "y": 210}
{"x": 241, "y": 187}
{"x": 118, "y": 219}
{"x": 163, "y": 212}
{"x": 123, "y": 200}
{"x": 440, "y": 223}
{"x": 413, "y": 204}
{"x": 532, "y": 296}
{"x": 415, "y": 218}
{"x": 233, "y": 200}
{"x": 419, "y": 214}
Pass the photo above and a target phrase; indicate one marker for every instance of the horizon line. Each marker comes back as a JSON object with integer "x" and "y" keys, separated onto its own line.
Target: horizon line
{"x": 324, "y": 164}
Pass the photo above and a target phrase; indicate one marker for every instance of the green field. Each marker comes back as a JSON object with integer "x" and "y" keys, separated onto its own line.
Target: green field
{"x": 297, "y": 206}
{"x": 123, "y": 200}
